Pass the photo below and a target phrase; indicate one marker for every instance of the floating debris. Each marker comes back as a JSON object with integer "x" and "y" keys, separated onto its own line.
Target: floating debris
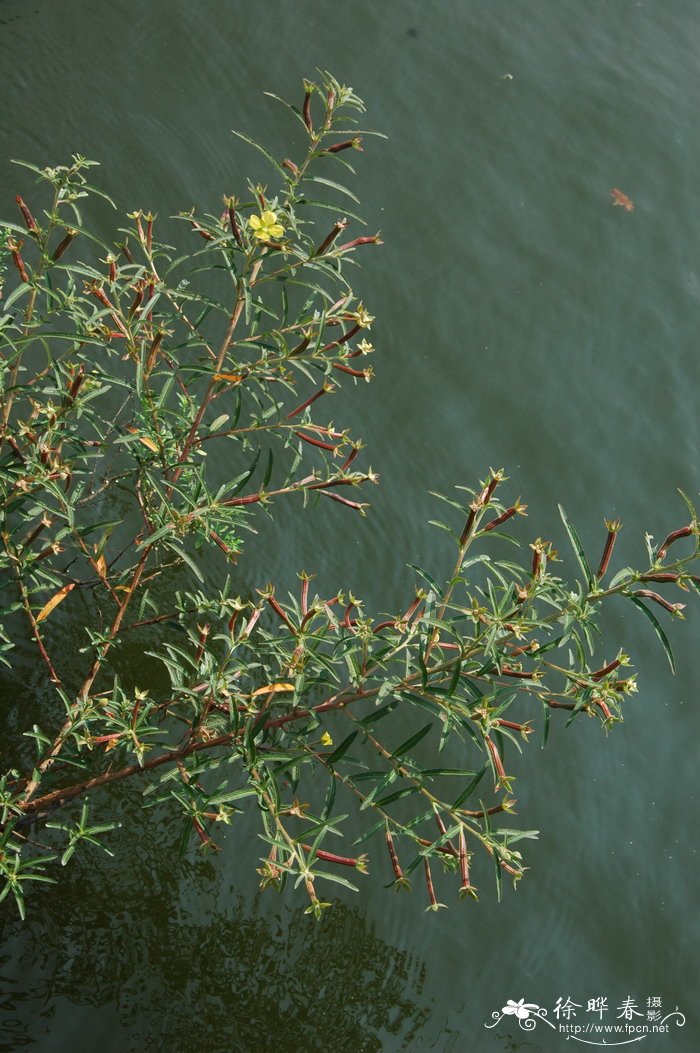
{"x": 622, "y": 200}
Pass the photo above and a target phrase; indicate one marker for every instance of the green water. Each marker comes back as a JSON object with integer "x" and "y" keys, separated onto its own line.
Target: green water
{"x": 523, "y": 321}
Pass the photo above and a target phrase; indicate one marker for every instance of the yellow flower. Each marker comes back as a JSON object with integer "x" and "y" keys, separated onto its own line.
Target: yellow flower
{"x": 326, "y": 740}
{"x": 266, "y": 227}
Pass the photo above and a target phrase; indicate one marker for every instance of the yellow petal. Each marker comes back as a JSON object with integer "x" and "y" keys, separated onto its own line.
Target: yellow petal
{"x": 254, "y": 222}
{"x": 276, "y": 231}
{"x": 54, "y": 602}
{"x": 269, "y": 217}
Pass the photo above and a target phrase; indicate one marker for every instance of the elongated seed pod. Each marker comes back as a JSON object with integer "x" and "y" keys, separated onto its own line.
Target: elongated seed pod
{"x": 29, "y": 220}
{"x": 675, "y": 535}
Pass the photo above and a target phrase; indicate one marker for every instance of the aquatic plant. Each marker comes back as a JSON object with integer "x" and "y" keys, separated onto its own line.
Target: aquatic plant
{"x": 125, "y": 368}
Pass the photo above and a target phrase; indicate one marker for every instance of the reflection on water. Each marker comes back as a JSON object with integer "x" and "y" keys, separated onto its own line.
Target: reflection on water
{"x": 162, "y": 974}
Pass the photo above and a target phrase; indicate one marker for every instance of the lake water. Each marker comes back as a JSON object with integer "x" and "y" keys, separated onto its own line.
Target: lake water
{"x": 523, "y": 321}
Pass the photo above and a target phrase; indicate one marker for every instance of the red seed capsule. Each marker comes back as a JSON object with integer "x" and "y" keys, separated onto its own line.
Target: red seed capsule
{"x": 374, "y": 240}
{"x": 365, "y": 374}
{"x": 27, "y": 216}
{"x": 347, "y": 144}
{"x": 496, "y": 478}
{"x": 463, "y": 861}
{"x": 309, "y": 401}
{"x": 200, "y": 230}
{"x": 305, "y": 594}
{"x": 70, "y": 234}
{"x": 350, "y": 458}
{"x": 153, "y": 352}
{"x": 233, "y": 220}
{"x": 330, "y": 238}
{"x": 505, "y": 516}
{"x": 14, "y": 248}
{"x": 519, "y": 674}
{"x": 306, "y": 112}
{"x": 672, "y": 608}
{"x": 613, "y": 530}
{"x": 342, "y": 339}
{"x": 77, "y": 383}
{"x": 600, "y": 673}
{"x": 138, "y": 300}
{"x": 343, "y": 500}
{"x": 603, "y": 707}
{"x": 331, "y": 857}
{"x": 443, "y": 830}
{"x": 251, "y": 499}
{"x": 280, "y": 613}
{"x": 675, "y": 535}
{"x": 396, "y": 866}
{"x": 302, "y": 345}
{"x": 468, "y": 525}
{"x": 315, "y": 442}
{"x": 252, "y": 621}
{"x": 497, "y": 762}
{"x": 429, "y": 884}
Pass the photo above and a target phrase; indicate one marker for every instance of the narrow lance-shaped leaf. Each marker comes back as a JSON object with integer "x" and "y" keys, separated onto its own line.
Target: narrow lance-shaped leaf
{"x": 657, "y": 629}
{"x": 578, "y": 548}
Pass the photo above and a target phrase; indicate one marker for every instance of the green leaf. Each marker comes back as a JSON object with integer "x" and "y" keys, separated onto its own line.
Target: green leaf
{"x": 217, "y": 424}
{"x": 432, "y": 773}
{"x": 289, "y": 105}
{"x": 185, "y": 558}
{"x": 379, "y": 714}
{"x": 342, "y": 749}
{"x": 412, "y": 741}
{"x": 337, "y": 879}
{"x": 330, "y": 799}
{"x": 335, "y": 186}
{"x": 547, "y": 719}
{"x": 466, "y": 794}
{"x": 370, "y": 833}
{"x": 455, "y": 679}
{"x": 268, "y": 470}
{"x": 407, "y": 791}
{"x": 578, "y": 548}
{"x": 332, "y": 207}
{"x": 657, "y": 629}
{"x": 690, "y": 506}
{"x": 499, "y": 874}
{"x": 264, "y": 152}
